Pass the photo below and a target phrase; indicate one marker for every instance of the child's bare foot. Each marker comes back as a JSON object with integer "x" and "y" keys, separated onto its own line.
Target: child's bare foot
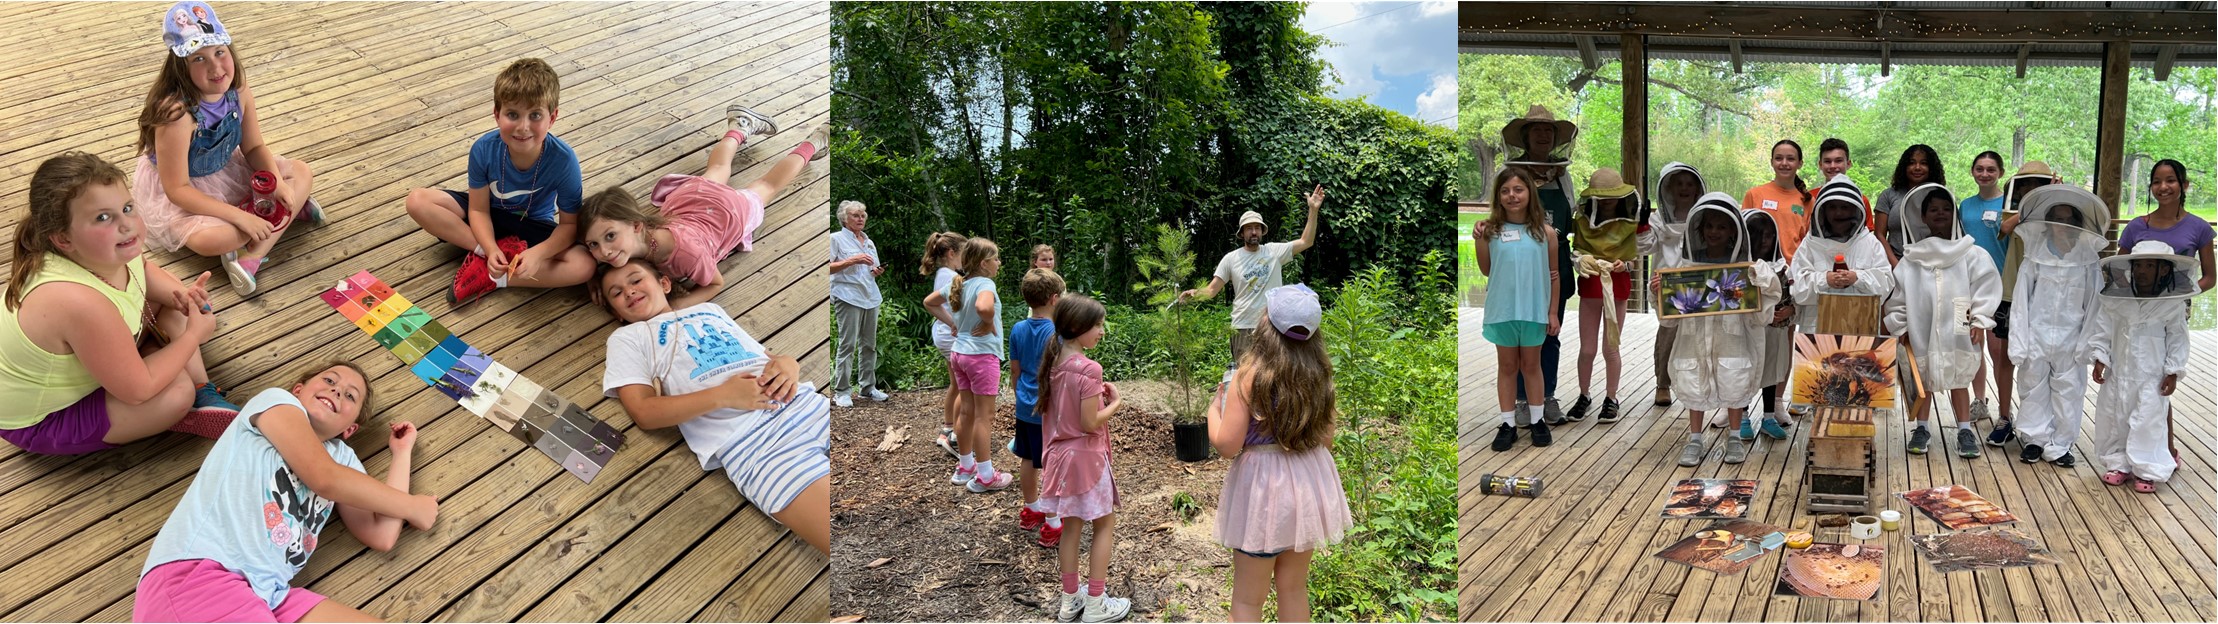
{"x": 748, "y": 122}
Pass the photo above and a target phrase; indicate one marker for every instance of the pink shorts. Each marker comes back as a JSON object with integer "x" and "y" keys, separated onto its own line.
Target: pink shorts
{"x": 201, "y": 590}
{"x": 976, "y": 374}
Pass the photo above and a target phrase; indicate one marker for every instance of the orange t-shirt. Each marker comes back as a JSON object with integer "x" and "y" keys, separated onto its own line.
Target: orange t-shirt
{"x": 1786, "y": 209}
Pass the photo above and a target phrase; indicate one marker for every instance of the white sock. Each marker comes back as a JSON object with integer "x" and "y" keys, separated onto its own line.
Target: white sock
{"x": 501, "y": 281}
{"x": 985, "y": 470}
{"x": 966, "y": 462}
{"x": 1055, "y": 521}
{"x": 479, "y": 250}
{"x": 1510, "y": 418}
{"x": 1921, "y": 425}
{"x": 1536, "y": 410}
{"x": 1964, "y": 424}
{"x": 1693, "y": 436}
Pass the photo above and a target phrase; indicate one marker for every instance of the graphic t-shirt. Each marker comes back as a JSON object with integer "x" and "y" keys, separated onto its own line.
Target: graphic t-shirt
{"x": 553, "y": 183}
{"x": 689, "y": 350}
{"x": 1251, "y": 273}
{"x": 247, "y": 510}
{"x": 1027, "y": 342}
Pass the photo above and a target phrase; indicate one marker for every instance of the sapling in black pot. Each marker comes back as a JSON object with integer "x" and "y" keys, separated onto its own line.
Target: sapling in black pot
{"x": 1164, "y": 263}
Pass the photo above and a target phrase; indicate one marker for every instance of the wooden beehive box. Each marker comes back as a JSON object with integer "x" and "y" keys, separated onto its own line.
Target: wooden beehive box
{"x": 1841, "y": 313}
{"x": 1840, "y": 470}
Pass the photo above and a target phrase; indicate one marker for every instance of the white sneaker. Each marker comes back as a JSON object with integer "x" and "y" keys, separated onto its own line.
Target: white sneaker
{"x": 843, "y": 400}
{"x": 964, "y": 476}
{"x": 1073, "y": 605}
{"x": 1103, "y": 608}
{"x": 1000, "y": 481}
{"x": 749, "y": 122}
{"x": 878, "y": 395}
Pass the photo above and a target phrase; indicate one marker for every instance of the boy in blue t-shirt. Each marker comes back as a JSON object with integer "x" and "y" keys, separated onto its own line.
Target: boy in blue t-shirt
{"x": 519, "y": 218}
{"x": 1027, "y": 340}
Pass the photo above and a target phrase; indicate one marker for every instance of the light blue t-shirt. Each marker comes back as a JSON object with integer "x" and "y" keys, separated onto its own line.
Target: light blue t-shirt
{"x": 554, "y": 182}
{"x": 965, "y": 298}
{"x": 247, "y": 510}
{"x": 1988, "y": 234}
{"x": 1517, "y": 288}
{"x": 1029, "y": 340}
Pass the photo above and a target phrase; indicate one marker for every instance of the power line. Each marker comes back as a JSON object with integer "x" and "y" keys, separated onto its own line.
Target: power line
{"x": 1404, "y": 6}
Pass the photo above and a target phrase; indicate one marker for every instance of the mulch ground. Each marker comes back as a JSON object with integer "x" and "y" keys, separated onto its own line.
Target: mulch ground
{"x": 907, "y": 545}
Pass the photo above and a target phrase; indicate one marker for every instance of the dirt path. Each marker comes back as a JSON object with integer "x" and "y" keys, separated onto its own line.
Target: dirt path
{"x": 950, "y": 555}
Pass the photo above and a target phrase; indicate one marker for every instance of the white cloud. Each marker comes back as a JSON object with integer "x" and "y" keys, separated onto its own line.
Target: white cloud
{"x": 1390, "y": 51}
{"x": 1436, "y": 8}
{"x": 1439, "y": 102}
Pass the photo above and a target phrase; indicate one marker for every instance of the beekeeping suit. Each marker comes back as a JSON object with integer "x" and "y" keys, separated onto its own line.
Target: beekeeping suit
{"x": 2140, "y": 336}
{"x": 1944, "y": 288}
{"x": 1778, "y": 341}
{"x": 1814, "y": 258}
{"x": 1716, "y": 360}
{"x": 1667, "y": 225}
{"x": 2060, "y": 231}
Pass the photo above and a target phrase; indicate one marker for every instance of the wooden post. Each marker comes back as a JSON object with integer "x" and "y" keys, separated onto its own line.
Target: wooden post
{"x": 1632, "y": 61}
{"x": 2110, "y": 130}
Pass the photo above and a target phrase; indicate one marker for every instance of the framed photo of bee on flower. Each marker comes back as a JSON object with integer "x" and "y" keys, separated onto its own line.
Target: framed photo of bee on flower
{"x": 1843, "y": 371}
{"x": 1706, "y": 290}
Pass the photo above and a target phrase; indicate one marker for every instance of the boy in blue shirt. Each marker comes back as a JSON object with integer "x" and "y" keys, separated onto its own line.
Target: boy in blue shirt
{"x": 1027, "y": 340}
{"x": 519, "y": 217}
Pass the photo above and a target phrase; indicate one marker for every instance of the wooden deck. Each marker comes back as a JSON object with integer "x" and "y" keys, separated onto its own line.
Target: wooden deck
{"x": 379, "y": 99}
{"x": 1582, "y": 551}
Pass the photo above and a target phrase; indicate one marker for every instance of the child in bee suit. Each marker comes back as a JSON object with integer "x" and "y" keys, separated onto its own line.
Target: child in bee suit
{"x": 1764, "y": 248}
{"x": 1604, "y": 243}
{"x": 1839, "y": 231}
{"x": 2060, "y": 233}
{"x": 1944, "y": 287}
{"x": 1677, "y": 188}
{"x": 2139, "y": 348}
{"x": 1717, "y": 359}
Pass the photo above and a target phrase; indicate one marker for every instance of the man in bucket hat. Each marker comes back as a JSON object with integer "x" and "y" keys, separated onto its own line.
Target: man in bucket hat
{"x": 1253, "y": 269}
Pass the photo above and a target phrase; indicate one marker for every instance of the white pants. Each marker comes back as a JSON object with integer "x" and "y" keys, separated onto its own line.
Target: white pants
{"x": 2134, "y": 436}
{"x": 2052, "y": 401}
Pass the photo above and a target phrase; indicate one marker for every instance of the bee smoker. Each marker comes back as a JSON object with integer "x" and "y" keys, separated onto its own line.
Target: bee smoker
{"x": 1505, "y": 485}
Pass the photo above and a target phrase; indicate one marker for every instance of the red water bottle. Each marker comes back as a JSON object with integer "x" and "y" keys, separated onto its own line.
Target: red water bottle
{"x": 264, "y": 202}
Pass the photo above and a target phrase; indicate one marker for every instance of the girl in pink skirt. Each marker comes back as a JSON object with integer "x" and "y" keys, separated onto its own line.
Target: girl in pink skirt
{"x": 200, "y": 145}
{"x": 1282, "y": 498}
{"x": 1075, "y": 480}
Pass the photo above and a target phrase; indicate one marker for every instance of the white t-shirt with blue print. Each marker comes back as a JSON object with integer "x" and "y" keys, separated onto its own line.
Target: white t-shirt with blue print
{"x": 553, "y": 183}
{"x": 247, "y": 510}
{"x": 691, "y": 350}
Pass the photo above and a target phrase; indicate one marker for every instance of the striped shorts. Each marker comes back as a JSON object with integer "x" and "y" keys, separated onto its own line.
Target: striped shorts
{"x": 784, "y": 453}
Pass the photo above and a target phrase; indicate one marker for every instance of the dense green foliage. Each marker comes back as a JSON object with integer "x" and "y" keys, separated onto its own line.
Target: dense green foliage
{"x": 1724, "y": 123}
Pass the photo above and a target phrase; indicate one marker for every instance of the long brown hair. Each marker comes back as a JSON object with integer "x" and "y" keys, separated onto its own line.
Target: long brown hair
{"x": 1291, "y": 393}
{"x": 368, "y": 392}
{"x": 1074, "y": 316}
{"x": 937, "y": 245}
{"x": 173, "y": 94}
{"x": 1535, "y": 216}
{"x": 975, "y": 254}
{"x": 57, "y": 182}
{"x": 616, "y": 204}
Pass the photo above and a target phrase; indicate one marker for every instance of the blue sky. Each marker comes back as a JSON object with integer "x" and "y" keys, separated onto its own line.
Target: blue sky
{"x": 1402, "y": 55}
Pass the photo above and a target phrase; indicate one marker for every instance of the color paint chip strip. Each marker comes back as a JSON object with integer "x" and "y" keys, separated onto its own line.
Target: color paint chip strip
{"x": 559, "y": 429}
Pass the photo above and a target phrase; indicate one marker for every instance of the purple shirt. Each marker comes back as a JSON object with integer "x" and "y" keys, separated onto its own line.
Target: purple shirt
{"x": 2187, "y": 238}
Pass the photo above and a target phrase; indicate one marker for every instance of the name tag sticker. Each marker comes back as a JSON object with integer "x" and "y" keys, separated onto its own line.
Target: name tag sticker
{"x": 1511, "y": 236}
{"x": 1771, "y": 204}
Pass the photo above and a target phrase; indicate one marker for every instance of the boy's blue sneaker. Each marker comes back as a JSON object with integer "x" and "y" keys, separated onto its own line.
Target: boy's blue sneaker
{"x": 211, "y": 413}
{"x": 1748, "y": 429}
{"x": 1771, "y": 428}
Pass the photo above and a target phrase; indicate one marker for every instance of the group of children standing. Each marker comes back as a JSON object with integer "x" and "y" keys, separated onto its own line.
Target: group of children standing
{"x": 1282, "y": 498}
{"x": 1948, "y": 272}
{"x": 107, "y": 347}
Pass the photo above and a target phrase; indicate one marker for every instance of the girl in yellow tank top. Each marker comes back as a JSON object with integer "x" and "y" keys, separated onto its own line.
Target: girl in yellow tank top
{"x": 71, "y": 366}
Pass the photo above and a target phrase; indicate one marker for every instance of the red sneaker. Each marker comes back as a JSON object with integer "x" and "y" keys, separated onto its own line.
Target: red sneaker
{"x": 474, "y": 280}
{"x": 1030, "y": 520}
{"x": 1050, "y": 536}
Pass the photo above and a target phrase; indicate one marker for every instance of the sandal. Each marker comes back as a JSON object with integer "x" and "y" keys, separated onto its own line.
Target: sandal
{"x": 2115, "y": 477}
{"x": 2144, "y": 486}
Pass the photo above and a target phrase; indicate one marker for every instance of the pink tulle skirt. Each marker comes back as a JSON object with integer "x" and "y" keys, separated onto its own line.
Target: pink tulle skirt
{"x": 1089, "y": 506}
{"x": 167, "y": 225}
{"x": 1275, "y": 500}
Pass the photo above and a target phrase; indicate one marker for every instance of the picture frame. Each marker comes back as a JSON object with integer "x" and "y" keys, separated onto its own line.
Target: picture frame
{"x": 1706, "y": 290}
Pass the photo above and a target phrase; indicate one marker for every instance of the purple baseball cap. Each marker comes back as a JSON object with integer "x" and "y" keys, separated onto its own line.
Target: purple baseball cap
{"x": 1293, "y": 310}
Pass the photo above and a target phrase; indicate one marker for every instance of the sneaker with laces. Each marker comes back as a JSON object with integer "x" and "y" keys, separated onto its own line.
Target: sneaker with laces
{"x": 878, "y": 395}
{"x": 1771, "y": 428}
{"x": 749, "y": 122}
{"x": 1541, "y": 436}
{"x": 2030, "y": 453}
{"x": 1551, "y": 412}
{"x": 313, "y": 212}
{"x": 1919, "y": 439}
{"x": 241, "y": 272}
{"x": 999, "y": 481}
{"x": 1050, "y": 537}
{"x": 1104, "y": 608}
{"x": 946, "y": 441}
{"x": 963, "y": 476}
{"x": 1071, "y": 606}
{"x": 821, "y": 137}
{"x": 1967, "y": 443}
{"x": 2065, "y": 461}
{"x": 843, "y": 400}
{"x": 2003, "y": 433}
{"x": 1736, "y": 451}
{"x": 1505, "y": 436}
{"x": 1030, "y": 520}
{"x": 210, "y": 415}
{"x": 472, "y": 281}
{"x": 1691, "y": 455}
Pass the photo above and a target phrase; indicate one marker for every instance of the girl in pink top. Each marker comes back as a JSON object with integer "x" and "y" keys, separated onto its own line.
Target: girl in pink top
{"x": 694, "y": 221}
{"x": 1075, "y": 477}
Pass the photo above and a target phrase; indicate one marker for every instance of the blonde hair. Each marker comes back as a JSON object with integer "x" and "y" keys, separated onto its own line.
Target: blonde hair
{"x": 938, "y": 244}
{"x": 1291, "y": 393}
{"x": 975, "y": 254}
{"x": 173, "y": 95}
{"x": 1040, "y": 249}
{"x": 616, "y": 204}
{"x": 526, "y": 83}
{"x": 57, "y": 182}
